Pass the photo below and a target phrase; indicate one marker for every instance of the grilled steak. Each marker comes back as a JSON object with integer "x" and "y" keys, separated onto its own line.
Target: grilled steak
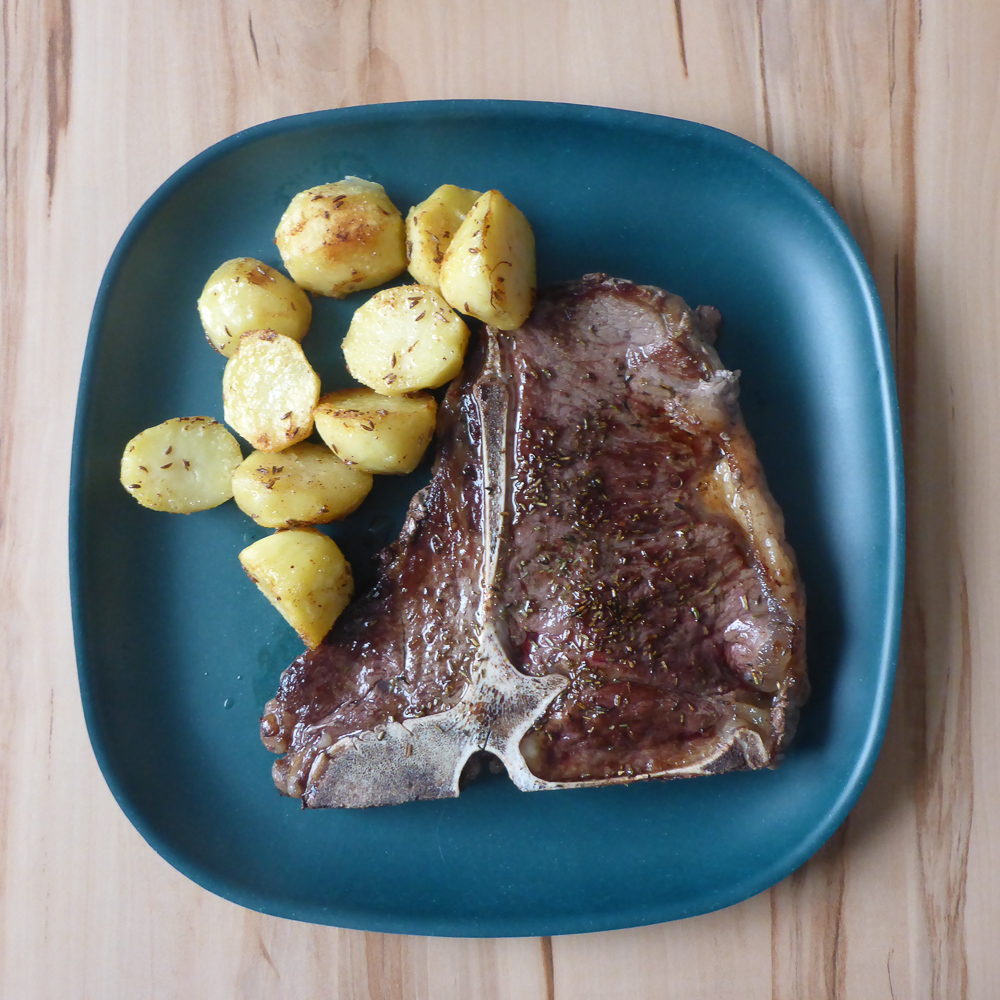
{"x": 594, "y": 587}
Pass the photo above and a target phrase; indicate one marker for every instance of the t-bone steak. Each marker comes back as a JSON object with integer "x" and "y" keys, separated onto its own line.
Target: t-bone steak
{"x": 594, "y": 587}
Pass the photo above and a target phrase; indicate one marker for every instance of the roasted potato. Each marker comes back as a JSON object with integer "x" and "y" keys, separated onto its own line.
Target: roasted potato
{"x": 182, "y": 465}
{"x": 305, "y": 484}
{"x": 303, "y": 573}
{"x": 488, "y": 270}
{"x": 343, "y": 237}
{"x": 430, "y": 227}
{"x": 269, "y": 390}
{"x": 244, "y": 294}
{"x": 382, "y": 434}
{"x": 405, "y": 338}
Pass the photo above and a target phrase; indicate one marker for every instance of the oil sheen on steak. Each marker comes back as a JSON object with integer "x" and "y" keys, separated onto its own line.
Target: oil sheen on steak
{"x": 594, "y": 587}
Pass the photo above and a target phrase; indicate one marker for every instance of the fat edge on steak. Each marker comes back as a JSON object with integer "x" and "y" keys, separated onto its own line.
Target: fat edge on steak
{"x": 595, "y": 587}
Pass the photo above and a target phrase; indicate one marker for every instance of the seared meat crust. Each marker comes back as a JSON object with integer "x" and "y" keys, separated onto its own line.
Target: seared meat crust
{"x": 595, "y": 586}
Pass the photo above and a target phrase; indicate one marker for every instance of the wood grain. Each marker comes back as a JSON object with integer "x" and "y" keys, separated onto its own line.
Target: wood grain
{"x": 890, "y": 108}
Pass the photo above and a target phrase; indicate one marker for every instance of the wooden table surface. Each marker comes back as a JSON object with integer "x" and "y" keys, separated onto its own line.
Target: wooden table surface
{"x": 890, "y": 107}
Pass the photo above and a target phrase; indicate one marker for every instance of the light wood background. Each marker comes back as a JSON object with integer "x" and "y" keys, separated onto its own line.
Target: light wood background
{"x": 889, "y": 106}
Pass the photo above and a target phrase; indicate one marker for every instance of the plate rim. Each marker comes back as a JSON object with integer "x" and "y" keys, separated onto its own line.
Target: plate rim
{"x": 278, "y": 904}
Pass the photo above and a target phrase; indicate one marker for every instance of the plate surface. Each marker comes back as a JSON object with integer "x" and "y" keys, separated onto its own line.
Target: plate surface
{"x": 178, "y": 652}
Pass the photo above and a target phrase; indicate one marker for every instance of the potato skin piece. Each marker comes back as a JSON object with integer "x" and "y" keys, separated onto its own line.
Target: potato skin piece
{"x": 245, "y": 294}
{"x": 430, "y": 227}
{"x": 405, "y": 338}
{"x": 303, "y": 573}
{"x": 343, "y": 237}
{"x": 182, "y": 465}
{"x": 386, "y": 435}
{"x": 304, "y": 484}
{"x": 488, "y": 270}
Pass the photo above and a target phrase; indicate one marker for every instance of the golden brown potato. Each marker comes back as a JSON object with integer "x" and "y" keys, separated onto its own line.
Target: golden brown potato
{"x": 488, "y": 270}
{"x": 269, "y": 390}
{"x": 182, "y": 465}
{"x": 304, "y": 484}
{"x": 405, "y": 338}
{"x": 244, "y": 294}
{"x": 430, "y": 227}
{"x": 383, "y": 434}
{"x": 340, "y": 238}
{"x": 303, "y": 573}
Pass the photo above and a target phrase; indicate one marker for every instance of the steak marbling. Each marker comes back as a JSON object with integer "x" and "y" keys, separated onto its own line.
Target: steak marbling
{"x": 595, "y": 586}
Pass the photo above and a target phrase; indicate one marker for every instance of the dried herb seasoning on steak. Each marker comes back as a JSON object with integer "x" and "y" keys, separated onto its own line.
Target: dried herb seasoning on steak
{"x": 595, "y": 586}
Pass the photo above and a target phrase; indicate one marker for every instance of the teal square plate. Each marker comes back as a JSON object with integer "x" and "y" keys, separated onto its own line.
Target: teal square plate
{"x": 178, "y": 652}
